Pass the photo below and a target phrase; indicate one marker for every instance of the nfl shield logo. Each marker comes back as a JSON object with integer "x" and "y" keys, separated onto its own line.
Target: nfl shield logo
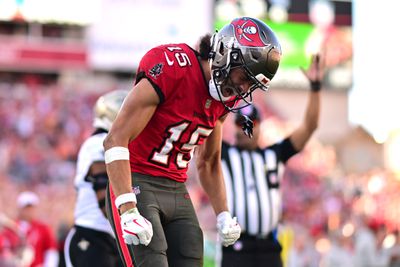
{"x": 208, "y": 103}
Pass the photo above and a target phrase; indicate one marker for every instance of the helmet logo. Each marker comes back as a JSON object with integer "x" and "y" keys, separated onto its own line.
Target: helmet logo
{"x": 247, "y": 33}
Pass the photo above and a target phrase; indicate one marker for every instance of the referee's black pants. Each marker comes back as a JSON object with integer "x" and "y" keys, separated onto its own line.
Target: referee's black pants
{"x": 251, "y": 251}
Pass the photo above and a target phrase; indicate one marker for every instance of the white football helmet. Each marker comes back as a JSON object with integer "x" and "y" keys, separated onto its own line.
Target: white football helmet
{"x": 246, "y": 43}
{"x": 107, "y": 107}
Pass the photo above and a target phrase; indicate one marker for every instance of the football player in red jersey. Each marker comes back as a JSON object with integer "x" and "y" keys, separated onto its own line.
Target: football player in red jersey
{"x": 179, "y": 102}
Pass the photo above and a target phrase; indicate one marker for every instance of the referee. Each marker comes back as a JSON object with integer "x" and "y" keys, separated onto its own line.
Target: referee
{"x": 253, "y": 185}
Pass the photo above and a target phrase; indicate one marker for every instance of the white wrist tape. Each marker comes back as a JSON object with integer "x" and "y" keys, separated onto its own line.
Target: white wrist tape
{"x": 116, "y": 153}
{"x": 125, "y": 198}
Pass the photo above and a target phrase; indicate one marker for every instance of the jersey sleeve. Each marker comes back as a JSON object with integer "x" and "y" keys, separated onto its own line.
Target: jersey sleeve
{"x": 284, "y": 150}
{"x": 224, "y": 149}
{"x": 91, "y": 151}
{"x": 94, "y": 150}
{"x": 156, "y": 67}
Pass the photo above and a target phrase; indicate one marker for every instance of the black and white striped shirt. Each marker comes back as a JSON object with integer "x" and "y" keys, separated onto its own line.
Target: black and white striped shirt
{"x": 252, "y": 179}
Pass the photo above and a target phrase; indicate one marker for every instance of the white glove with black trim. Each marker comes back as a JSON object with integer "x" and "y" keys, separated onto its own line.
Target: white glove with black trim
{"x": 136, "y": 229}
{"x": 228, "y": 228}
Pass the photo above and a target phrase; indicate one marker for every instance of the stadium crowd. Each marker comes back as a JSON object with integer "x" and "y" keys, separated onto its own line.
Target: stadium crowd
{"x": 42, "y": 126}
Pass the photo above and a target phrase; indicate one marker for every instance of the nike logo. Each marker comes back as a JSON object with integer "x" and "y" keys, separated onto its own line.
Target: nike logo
{"x": 135, "y": 221}
{"x": 129, "y": 232}
{"x": 169, "y": 62}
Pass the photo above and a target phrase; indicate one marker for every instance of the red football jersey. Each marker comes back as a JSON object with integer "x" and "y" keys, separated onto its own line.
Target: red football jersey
{"x": 41, "y": 237}
{"x": 185, "y": 116}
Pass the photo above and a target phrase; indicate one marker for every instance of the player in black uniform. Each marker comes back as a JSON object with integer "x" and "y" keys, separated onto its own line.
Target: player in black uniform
{"x": 91, "y": 241}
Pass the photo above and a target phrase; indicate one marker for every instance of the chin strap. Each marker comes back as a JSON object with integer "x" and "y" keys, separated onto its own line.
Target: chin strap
{"x": 247, "y": 126}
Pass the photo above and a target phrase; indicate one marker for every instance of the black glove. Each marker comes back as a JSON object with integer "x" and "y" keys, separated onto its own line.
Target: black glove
{"x": 247, "y": 126}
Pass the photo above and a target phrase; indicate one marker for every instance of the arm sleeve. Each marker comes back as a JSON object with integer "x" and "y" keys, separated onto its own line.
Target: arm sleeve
{"x": 285, "y": 150}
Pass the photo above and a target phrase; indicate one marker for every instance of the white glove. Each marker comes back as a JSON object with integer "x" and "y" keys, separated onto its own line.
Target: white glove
{"x": 228, "y": 228}
{"x": 136, "y": 229}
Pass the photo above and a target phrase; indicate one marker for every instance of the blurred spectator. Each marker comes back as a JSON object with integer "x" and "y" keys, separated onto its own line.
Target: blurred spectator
{"x": 303, "y": 253}
{"x": 39, "y": 236}
{"x": 339, "y": 254}
{"x": 369, "y": 237}
{"x": 13, "y": 250}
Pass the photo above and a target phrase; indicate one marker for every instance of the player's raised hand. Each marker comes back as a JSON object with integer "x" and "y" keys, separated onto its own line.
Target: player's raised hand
{"x": 136, "y": 229}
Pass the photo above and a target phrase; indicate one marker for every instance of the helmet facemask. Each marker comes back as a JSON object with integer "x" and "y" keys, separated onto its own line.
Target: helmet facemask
{"x": 260, "y": 64}
{"x": 248, "y": 44}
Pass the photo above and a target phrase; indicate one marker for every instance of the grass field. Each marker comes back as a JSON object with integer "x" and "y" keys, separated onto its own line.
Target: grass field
{"x": 208, "y": 262}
